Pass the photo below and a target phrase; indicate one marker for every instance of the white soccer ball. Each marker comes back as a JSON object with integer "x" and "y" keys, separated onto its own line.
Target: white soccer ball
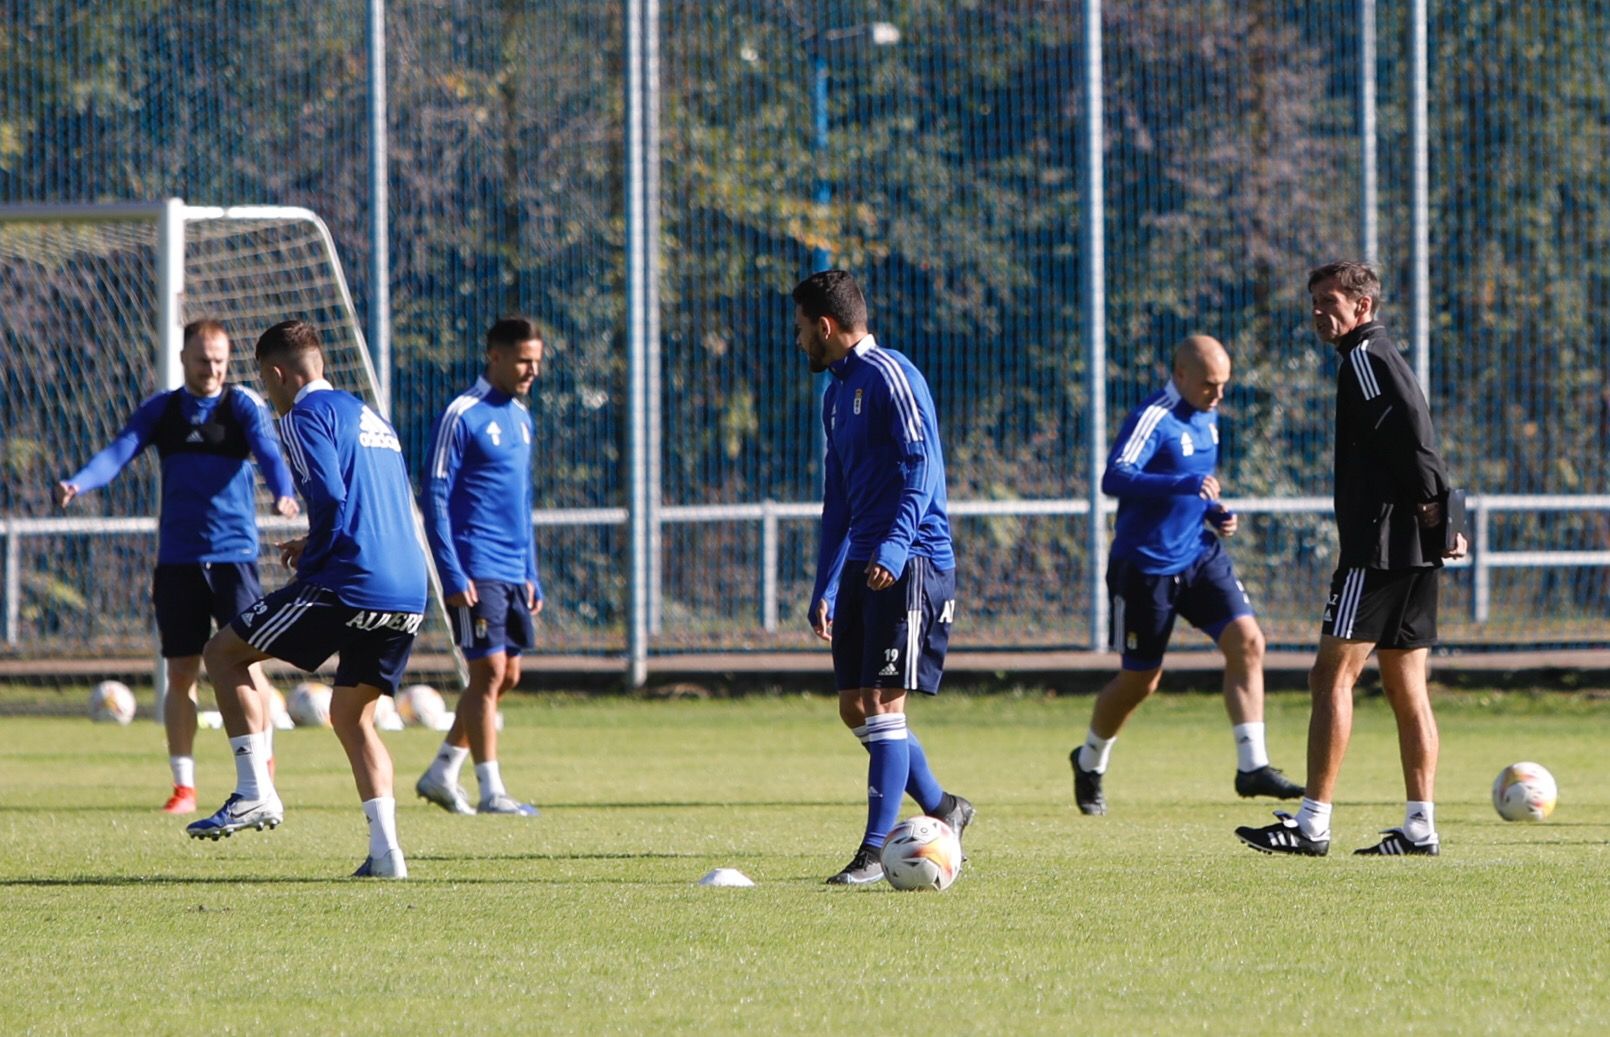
{"x": 386, "y": 717}
{"x": 111, "y": 703}
{"x": 1524, "y": 792}
{"x": 922, "y": 853}
{"x": 421, "y": 705}
{"x": 310, "y": 704}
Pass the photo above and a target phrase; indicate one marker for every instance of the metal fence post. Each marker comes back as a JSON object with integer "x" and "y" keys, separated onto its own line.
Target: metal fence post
{"x": 768, "y": 565}
{"x": 13, "y": 584}
{"x": 1481, "y": 573}
{"x": 1095, "y": 318}
{"x": 1369, "y": 190}
{"x": 379, "y": 206}
{"x": 1420, "y": 203}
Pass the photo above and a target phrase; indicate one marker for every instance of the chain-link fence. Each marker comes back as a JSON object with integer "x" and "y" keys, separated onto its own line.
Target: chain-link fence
{"x": 936, "y": 149}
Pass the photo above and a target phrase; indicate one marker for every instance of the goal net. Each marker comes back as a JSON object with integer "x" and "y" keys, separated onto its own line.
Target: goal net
{"x": 92, "y": 303}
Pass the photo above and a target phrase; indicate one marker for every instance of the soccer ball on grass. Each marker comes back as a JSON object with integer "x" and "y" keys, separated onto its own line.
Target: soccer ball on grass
{"x": 310, "y": 704}
{"x": 922, "y": 853}
{"x": 1524, "y": 792}
{"x": 111, "y": 703}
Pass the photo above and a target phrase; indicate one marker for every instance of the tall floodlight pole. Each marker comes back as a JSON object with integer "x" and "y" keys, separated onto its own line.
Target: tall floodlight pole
{"x": 879, "y": 34}
{"x": 1369, "y": 191}
{"x": 1420, "y": 247}
{"x": 639, "y": 442}
{"x": 651, "y": 303}
{"x": 379, "y": 225}
{"x": 1095, "y": 319}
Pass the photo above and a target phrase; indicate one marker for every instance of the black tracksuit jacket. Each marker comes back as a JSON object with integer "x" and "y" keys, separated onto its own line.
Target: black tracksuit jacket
{"x": 1386, "y": 457}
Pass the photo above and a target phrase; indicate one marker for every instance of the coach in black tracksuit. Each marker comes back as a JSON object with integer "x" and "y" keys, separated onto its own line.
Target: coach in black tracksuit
{"x": 1391, "y": 486}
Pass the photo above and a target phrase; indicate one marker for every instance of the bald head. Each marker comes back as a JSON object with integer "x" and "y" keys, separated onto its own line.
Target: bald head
{"x": 1201, "y": 371}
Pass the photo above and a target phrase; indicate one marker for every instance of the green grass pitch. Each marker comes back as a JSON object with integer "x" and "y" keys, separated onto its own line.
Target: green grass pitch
{"x": 1153, "y": 919}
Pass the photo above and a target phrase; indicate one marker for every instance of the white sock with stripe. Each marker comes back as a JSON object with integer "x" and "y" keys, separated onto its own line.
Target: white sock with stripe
{"x": 251, "y": 768}
{"x": 1250, "y": 751}
{"x": 1313, "y": 819}
{"x": 381, "y": 813}
{"x": 448, "y": 763}
{"x": 491, "y": 778}
{"x": 1093, "y": 755}
{"x": 1419, "y": 820}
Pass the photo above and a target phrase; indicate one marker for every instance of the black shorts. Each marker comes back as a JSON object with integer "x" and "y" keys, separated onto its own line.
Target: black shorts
{"x": 1395, "y": 608}
{"x": 498, "y": 621}
{"x": 189, "y": 596}
{"x": 305, "y": 625}
{"x": 1207, "y": 595}
{"x": 896, "y": 637}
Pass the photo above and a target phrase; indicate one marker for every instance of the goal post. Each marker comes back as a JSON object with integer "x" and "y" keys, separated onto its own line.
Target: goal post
{"x": 93, "y": 300}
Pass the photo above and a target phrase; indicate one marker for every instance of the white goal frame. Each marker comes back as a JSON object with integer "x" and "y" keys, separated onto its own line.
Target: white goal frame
{"x": 170, "y": 218}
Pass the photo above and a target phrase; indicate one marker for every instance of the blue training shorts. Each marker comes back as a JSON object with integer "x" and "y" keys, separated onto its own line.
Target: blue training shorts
{"x": 1207, "y": 594}
{"x": 305, "y": 625}
{"x": 896, "y": 637}
{"x": 190, "y": 596}
{"x": 498, "y": 621}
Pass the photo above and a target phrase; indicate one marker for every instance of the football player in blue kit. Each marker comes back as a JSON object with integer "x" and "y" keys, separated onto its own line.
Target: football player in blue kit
{"x": 886, "y": 532}
{"x": 1164, "y": 562}
{"x": 477, "y": 504}
{"x": 206, "y": 432}
{"x": 359, "y": 591}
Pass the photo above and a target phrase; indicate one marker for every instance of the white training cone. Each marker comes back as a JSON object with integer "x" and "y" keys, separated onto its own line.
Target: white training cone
{"x": 726, "y": 877}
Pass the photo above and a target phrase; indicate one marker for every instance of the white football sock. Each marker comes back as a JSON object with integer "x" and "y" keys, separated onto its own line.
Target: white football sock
{"x": 251, "y": 768}
{"x": 381, "y": 813}
{"x": 1313, "y": 819}
{"x": 1419, "y": 820}
{"x": 1094, "y": 753}
{"x": 184, "y": 771}
{"x": 448, "y": 762}
{"x": 267, "y": 735}
{"x": 1250, "y": 751}
{"x": 491, "y": 779}
{"x": 859, "y": 733}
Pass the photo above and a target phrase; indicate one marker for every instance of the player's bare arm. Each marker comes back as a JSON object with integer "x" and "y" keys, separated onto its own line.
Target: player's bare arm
{"x": 65, "y": 492}
{"x": 466, "y": 598}
{"x": 291, "y": 551}
{"x": 820, "y": 622}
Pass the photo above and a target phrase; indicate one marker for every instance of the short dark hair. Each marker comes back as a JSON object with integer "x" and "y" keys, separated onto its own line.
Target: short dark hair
{"x": 200, "y": 329}
{"x": 288, "y": 340}
{"x": 832, "y": 293}
{"x": 512, "y": 330}
{"x": 1355, "y": 279}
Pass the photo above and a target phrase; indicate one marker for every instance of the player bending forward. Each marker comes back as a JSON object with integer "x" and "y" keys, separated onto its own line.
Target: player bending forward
{"x": 884, "y": 528}
{"x": 359, "y": 591}
{"x": 1164, "y": 563}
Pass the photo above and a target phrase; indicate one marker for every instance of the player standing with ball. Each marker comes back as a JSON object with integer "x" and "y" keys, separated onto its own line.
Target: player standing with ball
{"x": 886, "y": 533}
{"x": 1391, "y": 493}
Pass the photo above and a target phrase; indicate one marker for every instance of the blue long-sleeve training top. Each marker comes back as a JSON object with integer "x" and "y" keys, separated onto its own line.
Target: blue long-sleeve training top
{"x": 477, "y": 492}
{"x": 208, "y": 510}
{"x": 362, "y": 543}
{"x": 1162, "y": 455}
{"x": 883, "y": 492}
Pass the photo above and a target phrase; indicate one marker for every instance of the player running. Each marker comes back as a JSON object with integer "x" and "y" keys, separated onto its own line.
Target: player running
{"x": 1164, "y": 563}
{"x": 205, "y": 433}
{"x": 1391, "y": 487}
{"x": 477, "y": 504}
{"x": 884, "y": 528}
{"x": 359, "y": 591}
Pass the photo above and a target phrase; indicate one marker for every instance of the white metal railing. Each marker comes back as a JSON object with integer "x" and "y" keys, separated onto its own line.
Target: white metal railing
{"x": 770, "y": 514}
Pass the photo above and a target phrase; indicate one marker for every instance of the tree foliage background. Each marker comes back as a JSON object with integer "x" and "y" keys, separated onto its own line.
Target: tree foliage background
{"x": 1231, "y": 164}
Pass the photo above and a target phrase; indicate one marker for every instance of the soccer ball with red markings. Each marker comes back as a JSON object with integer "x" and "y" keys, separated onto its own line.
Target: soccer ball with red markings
{"x": 111, "y": 703}
{"x": 1524, "y": 792}
{"x": 922, "y": 853}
